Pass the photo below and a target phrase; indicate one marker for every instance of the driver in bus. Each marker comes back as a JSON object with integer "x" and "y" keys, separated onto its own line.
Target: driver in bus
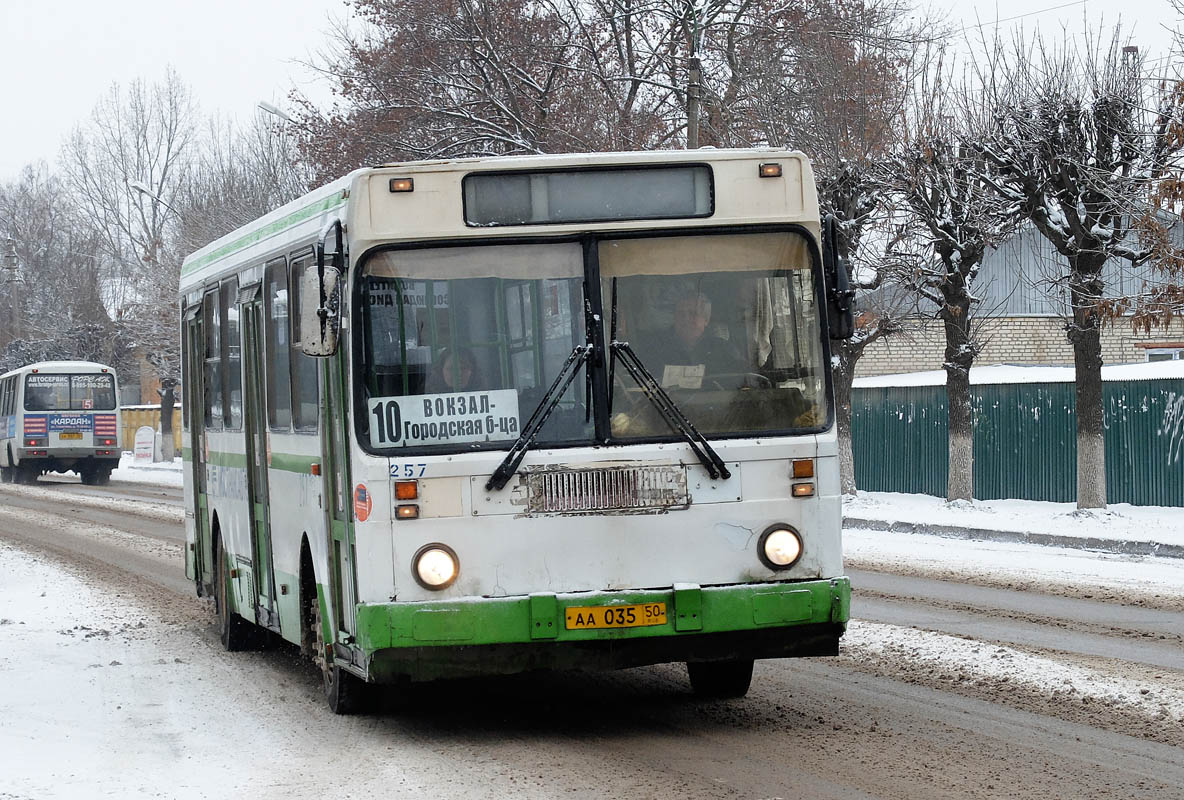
{"x": 689, "y": 353}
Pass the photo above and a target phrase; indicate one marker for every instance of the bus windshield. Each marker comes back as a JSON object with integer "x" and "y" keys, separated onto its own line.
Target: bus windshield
{"x": 461, "y": 343}
{"x": 69, "y": 392}
{"x": 728, "y": 325}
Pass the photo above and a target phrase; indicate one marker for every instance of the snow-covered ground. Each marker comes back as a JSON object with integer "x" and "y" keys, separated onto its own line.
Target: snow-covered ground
{"x": 975, "y": 662}
{"x": 1125, "y": 577}
{"x": 158, "y": 473}
{"x": 1119, "y": 521}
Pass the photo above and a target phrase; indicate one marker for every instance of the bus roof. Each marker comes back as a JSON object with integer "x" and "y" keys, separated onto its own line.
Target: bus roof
{"x": 58, "y": 367}
{"x": 437, "y": 214}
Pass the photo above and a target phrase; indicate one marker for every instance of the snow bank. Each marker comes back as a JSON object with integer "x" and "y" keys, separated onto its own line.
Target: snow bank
{"x": 159, "y": 473}
{"x": 1015, "y": 563}
{"x": 1119, "y": 521}
{"x": 1010, "y": 373}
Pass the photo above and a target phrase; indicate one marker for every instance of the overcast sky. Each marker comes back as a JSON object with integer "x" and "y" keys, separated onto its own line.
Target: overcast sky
{"x": 57, "y": 57}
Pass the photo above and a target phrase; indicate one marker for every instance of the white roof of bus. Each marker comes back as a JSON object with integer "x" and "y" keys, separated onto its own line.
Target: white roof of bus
{"x": 61, "y": 366}
{"x": 305, "y": 217}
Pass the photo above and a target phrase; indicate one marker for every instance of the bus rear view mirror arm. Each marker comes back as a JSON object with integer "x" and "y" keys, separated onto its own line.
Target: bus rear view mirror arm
{"x": 840, "y": 296}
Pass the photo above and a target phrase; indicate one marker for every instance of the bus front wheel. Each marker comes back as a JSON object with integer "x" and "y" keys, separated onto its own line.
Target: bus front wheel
{"x": 720, "y": 679}
{"x": 345, "y": 692}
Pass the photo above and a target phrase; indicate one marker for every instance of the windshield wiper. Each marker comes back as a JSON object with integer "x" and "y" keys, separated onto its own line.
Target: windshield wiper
{"x": 670, "y": 412}
{"x": 542, "y": 412}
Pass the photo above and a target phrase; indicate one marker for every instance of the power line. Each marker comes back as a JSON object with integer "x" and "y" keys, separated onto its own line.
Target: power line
{"x": 1030, "y": 14}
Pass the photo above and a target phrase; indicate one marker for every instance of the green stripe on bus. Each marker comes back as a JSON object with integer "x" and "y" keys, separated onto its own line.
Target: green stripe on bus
{"x": 285, "y": 462}
{"x": 291, "y": 463}
{"x": 300, "y": 215}
{"x": 238, "y": 460}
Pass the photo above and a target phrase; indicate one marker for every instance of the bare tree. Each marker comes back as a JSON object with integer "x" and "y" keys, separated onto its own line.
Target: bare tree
{"x": 1075, "y": 148}
{"x": 954, "y": 217}
{"x": 52, "y": 298}
{"x": 128, "y": 165}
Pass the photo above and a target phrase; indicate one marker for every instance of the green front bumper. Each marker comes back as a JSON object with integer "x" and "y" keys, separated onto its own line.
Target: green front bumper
{"x": 510, "y": 634}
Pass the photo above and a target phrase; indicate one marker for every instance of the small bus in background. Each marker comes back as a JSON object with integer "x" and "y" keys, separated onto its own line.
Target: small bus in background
{"x": 59, "y": 416}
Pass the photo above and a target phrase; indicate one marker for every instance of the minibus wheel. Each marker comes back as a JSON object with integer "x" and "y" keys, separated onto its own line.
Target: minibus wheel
{"x": 720, "y": 679}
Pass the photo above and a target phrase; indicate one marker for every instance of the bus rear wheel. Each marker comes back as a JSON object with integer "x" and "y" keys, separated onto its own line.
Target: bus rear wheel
{"x": 720, "y": 679}
{"x": 234, "y": 631}
{"x": 26, "y": 475}
{"x": 95, "y": 476}
{"x": 7, "y": 474}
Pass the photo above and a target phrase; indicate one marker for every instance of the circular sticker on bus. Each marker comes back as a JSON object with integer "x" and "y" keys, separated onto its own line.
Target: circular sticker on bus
{"x": 362, "y": 503}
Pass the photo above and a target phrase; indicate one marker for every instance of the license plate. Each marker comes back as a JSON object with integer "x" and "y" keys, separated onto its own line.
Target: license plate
{"x": 69, "y": 435}
{"x": 633, "y": 616}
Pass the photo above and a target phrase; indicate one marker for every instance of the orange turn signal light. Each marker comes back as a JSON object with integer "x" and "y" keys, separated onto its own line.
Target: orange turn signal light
{"x": 407, "y": 512}
{"x": 315, "y": 468}
{"x": 406, "y": 490}
{"x": 770, "y": 170}
{"x": 803, "y": 490}
{"x": 803, "y": 468}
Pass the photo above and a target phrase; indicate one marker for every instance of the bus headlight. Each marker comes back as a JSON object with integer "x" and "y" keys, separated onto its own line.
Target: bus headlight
{"x": 780, "y": 547}
{"x": 435, "y": 566}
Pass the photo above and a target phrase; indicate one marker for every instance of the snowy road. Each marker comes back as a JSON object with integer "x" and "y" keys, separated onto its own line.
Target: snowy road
{"x": 112, "y": 682}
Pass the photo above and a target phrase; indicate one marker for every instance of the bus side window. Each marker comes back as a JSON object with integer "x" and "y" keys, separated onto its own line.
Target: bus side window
{"x": 304, "y": 368}
{"x": 232, "y": 384}
{"x": 278, "y": 346}
{"x": 212, "y": 325}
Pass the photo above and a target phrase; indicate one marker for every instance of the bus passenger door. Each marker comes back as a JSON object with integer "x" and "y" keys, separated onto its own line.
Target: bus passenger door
{"x": 194, "y": 398}
{"x": 339, "y": 492}
{"x": 255, "y": 428}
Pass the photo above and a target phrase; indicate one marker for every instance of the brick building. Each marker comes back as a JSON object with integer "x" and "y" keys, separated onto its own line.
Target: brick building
{"x": 1023, "y": 316}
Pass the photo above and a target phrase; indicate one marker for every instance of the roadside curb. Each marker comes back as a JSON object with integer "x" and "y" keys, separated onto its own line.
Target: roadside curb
{"x": 1116, "y": 546}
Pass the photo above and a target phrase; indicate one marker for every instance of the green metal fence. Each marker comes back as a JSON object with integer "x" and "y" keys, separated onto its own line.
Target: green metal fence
{"x": 1025, "y": 441}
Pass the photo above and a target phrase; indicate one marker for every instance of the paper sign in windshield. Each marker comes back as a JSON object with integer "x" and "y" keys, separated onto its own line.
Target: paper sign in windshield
{"x": 455, "y": 418}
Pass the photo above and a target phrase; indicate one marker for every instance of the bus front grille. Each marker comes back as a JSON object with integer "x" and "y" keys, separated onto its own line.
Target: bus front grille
{"x": 607, "y": 489}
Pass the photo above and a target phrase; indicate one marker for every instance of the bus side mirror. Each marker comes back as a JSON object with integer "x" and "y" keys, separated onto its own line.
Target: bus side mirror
{"x": 840, "y": 316}
{"x": 320, "y": 296}
{"x": 321, "y": 320}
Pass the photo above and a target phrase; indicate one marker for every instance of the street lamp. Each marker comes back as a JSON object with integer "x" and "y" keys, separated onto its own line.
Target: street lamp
{"x": 143, "y": 189}
{"x": 275, "y": 111}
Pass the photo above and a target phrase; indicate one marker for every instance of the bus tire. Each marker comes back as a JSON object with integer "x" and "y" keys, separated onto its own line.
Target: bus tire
{"x": 233, "y": 630}
{"x": 344, "y": 691}
{"x": 27, "y": 475}
{"x": 720, "y": 679}
{"x": 7, "y": 474}
{"x": 88, "y": 474}
{"x": 102, "y": 476}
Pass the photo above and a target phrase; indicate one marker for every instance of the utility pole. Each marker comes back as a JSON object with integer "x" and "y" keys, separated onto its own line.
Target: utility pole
{"x": 693, "y": 104}
{"x": 694, "y": 81}
{"x": 12, "y": 278}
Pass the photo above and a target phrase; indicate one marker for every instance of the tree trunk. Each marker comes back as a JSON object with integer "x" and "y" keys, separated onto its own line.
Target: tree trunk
{"x": 959, "y": 358}
{"x": 845, "y": 356}
{"x": 1085, "y": 336}
{"x": 167, "y": 401}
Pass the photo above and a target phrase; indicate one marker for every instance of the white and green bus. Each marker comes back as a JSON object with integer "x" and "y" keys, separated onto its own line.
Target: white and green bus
{"x": 485, "y": 416}
{"x": 59, "y": 416}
